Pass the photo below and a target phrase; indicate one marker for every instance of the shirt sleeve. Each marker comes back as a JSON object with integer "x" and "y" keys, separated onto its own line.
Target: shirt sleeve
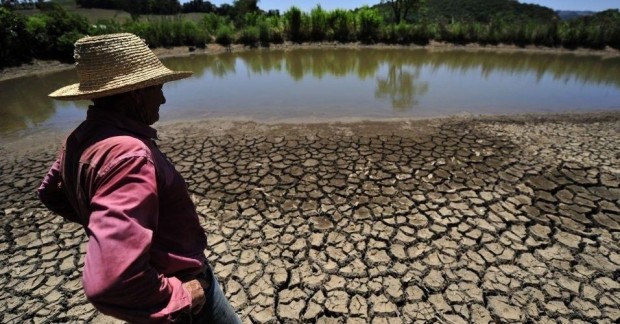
{"x": 52, "y": 194}
{"x": 118, "y": 278}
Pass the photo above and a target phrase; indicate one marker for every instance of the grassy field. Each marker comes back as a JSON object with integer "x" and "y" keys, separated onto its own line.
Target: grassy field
{"x": 93, "y": 15}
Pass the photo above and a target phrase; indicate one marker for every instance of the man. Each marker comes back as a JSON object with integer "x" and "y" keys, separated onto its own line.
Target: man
{"x": 145, "y": 259}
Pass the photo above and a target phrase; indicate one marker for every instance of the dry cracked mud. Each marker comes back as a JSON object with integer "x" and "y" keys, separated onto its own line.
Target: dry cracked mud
{"x": 512, "y": 219}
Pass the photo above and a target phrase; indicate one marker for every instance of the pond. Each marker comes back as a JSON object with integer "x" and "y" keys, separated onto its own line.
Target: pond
{"x": 272, "y": 85}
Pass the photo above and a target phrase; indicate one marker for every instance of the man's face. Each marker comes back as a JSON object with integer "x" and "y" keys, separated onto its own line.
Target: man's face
{"x": 150, "y": 100}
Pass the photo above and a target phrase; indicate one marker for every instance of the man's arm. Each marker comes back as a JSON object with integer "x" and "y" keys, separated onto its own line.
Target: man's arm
{"x": 52, "y": 194}
{"x": 118, "y": 278}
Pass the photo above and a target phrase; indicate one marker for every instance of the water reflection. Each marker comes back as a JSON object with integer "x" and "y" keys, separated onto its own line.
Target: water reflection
{"x": 364, "y": 63}
{"x": 401, "y": 86}
{"x": 360, "y": 82}
{"x": 25, "y": 103}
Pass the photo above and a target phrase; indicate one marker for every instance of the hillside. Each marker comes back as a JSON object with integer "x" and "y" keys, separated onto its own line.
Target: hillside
{"x": 481, "y": 10}
{"x": 570, "y": 14}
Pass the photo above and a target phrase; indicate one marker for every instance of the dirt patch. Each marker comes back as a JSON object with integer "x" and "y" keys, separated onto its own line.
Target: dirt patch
{"x": 36, "y": 67}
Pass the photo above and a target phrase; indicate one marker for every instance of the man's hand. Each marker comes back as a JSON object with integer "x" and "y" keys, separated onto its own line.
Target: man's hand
{"x": 196, "y": 290}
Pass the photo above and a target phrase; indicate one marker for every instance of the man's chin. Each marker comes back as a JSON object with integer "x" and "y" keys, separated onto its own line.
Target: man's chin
{"x": 156, "y": 119}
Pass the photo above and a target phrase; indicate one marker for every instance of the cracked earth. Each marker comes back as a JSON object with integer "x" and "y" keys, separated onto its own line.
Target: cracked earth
{"x": 509, "y": 219}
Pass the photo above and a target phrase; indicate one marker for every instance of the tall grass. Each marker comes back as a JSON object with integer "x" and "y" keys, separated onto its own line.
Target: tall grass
{"x": 341, "y": 26}
{"x": 318, "y": 21}
{"x": 162, "y": 32}
{"x": 370, "y": 22}
{"x": 294, "y": 18}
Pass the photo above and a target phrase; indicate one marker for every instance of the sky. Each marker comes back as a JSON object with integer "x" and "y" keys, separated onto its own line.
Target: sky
{"x": 307, "y": 5}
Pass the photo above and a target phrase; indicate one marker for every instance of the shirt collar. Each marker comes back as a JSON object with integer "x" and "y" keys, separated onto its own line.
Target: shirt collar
{"x": 120, "y": 121}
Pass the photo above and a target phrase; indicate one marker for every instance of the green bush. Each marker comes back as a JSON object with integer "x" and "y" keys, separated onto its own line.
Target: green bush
{"x": 65, "y": 43}
{"x": 264, "y": 33}
{"x": 318, "y": 21}
{"x": 36, "y": 26}
{"x": 224, "y": 36}
{"x": 276, "y": 29}
{"x": 420, "y": 34}
{"x": 369, "y": 25}
{"x": 14, "y": 39}
{"x": 403, "y": 33}
{"x": 193, "y": 35}
{"x": 168, "y": 32}
{"x": 612, "y": 37}
{"x": 542, "y": 34}
{"x": 212, "y": 22}
{"x": 594, "y": 37}
{"x": 341, "y": 25}
{"x": 53, "y": 32}
{"x": 249, "y": 36}
{"x": 105, "y": 26}
{"x": 568, "y": 36}
{"x": 293, "y": 18}
{"x": 142, "y": 29}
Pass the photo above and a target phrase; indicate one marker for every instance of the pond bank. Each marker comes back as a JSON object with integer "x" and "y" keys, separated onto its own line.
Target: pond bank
{"x": 44, "y": 67}
{"x": 493, "y": 219}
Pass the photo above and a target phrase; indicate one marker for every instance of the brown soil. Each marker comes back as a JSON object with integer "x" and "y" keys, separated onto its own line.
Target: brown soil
{"x": 454, "y": 220}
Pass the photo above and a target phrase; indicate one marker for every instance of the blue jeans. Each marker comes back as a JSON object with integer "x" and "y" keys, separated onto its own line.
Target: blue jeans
{"x": 217, "y": 309}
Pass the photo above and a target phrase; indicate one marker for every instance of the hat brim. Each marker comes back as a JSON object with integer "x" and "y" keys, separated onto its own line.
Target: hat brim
{"x": 73, "y": 92}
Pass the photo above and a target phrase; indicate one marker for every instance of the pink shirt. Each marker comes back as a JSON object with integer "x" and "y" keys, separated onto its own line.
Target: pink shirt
{"x": 144, "y": 235}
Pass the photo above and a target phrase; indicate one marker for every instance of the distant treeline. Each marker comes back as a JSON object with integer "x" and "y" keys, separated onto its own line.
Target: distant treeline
{"x": 164, "y": 7}
{"x": 158, "y": 7}
{"x": 51, "y": 33}
{"x": 485, "y": 11}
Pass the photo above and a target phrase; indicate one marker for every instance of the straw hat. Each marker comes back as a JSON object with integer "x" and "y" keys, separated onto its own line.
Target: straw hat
{"x": 113, "y": 64}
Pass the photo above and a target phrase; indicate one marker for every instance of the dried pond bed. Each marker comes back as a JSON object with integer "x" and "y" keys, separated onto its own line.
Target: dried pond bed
{"x": 454, "y": 220}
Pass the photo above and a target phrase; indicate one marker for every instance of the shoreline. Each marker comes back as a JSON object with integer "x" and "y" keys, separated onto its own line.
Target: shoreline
{"x": 40, "y": 67}
{"x": 21, "y": 144}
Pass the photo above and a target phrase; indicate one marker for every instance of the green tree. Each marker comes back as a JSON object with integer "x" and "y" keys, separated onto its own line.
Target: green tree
{"x": 14, "y": 47}
{"x": 224, "y": 35}
{"x": 402, "y": 8}
{"x": 136, "y": 8}
{"x": 341, "y": 23}
{"x": 198, "y": 6}
{"x": 318, "y": 20}
{"x": 369, "y": 25}
{"x": 212, "y": 22}
{"x": 294, "y": 23}
{"x": 249, "y": 36}
{"x": 62, "y": 29}
{"x": 241, "y": 9}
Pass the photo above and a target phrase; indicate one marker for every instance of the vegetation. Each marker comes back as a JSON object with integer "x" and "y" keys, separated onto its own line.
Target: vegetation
{"x": 48, "y": 35}
{"x": 484, "y": 11}
{"x": 137, "y": 7}
{"x": 402, "y": 8}
{"x": 12, "y": 40}
{"x": 53, "y": 29}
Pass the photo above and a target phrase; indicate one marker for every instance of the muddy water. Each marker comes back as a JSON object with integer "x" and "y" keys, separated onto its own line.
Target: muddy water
{"x": 327, "y": 83}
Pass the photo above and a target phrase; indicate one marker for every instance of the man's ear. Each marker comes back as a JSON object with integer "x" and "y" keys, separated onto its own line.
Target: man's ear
{"x": 136, "y": 95}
